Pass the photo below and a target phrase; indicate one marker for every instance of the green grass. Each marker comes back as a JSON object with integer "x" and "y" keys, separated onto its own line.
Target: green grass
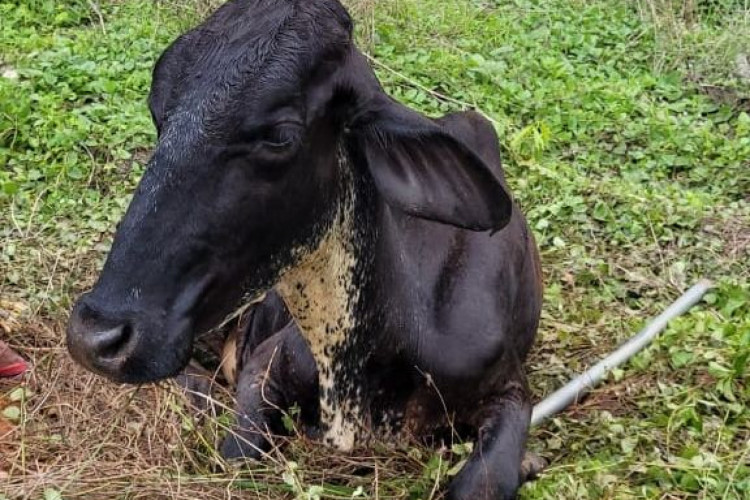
{"x": 626, "y": 136}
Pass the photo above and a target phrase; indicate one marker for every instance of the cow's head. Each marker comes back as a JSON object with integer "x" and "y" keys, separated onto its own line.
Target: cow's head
{"x": 252, "y": 108}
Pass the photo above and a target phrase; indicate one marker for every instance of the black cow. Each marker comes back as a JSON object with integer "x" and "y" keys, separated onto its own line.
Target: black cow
{"x": 391, "y": 238}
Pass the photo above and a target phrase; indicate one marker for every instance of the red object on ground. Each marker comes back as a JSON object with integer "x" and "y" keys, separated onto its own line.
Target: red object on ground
{"x": 11, "y": 364}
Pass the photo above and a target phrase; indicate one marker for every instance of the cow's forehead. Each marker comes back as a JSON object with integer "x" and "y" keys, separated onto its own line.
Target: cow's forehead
{"x": 242, "y": 37}
{"x": 250, "y": 53}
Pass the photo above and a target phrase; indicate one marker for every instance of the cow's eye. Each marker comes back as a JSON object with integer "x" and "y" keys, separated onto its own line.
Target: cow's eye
{"x": 282, "y": 137}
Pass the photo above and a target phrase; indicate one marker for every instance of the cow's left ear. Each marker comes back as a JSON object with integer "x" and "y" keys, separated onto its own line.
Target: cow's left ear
{"x": 426, "y": 171}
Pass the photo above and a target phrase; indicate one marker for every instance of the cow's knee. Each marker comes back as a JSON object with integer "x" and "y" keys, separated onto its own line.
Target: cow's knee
{"x": 276, "y": 375}
{"x": 259, "y": 400}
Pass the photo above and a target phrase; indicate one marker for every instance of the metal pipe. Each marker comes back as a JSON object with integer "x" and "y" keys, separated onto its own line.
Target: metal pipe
{"x": 573, "y": 390}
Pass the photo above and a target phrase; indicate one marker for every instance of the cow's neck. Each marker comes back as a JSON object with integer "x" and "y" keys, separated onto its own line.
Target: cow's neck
{"x": 322, "y": 292}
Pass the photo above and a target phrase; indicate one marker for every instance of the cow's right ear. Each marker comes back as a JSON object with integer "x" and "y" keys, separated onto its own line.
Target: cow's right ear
{"x": 424, "y": 170}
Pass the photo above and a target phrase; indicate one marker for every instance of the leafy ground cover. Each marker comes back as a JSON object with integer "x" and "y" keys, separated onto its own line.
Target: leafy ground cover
{"x": 625, "y": 128}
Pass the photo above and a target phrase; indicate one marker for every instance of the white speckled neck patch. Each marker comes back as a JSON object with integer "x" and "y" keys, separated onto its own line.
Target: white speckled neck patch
{"x": 321, "y": 294}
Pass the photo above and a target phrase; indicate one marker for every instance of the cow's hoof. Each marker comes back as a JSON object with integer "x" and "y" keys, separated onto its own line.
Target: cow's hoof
{"x": 473, "y": 483}
{"x": 469, "y": 492}
{"x": 237, "y": 447}
{"x": 196, "y": 382}
{"x": 531, "y": 466}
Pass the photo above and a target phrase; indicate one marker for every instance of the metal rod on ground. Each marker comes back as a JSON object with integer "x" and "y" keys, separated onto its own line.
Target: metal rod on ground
{"x": 573, "y": 390}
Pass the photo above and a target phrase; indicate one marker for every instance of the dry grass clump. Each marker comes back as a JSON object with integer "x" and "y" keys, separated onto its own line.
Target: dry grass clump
{"x": 81, "y": 436}
{"x": 76, "y": 432}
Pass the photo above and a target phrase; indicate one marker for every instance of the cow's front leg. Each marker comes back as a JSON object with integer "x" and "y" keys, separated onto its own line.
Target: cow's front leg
{"x": 277, "y": 374}
{"x": 494, "y": 470}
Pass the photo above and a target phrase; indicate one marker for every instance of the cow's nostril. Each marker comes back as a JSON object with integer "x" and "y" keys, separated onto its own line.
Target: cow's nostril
{"x": 111, "y": 343}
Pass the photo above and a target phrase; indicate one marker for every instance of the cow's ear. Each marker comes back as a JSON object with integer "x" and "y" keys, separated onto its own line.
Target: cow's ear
{"x": 424, "y": 170}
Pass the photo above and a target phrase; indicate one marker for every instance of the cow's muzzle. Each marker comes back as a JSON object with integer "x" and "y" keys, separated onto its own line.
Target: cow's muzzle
{"x": 133, "y": 347}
